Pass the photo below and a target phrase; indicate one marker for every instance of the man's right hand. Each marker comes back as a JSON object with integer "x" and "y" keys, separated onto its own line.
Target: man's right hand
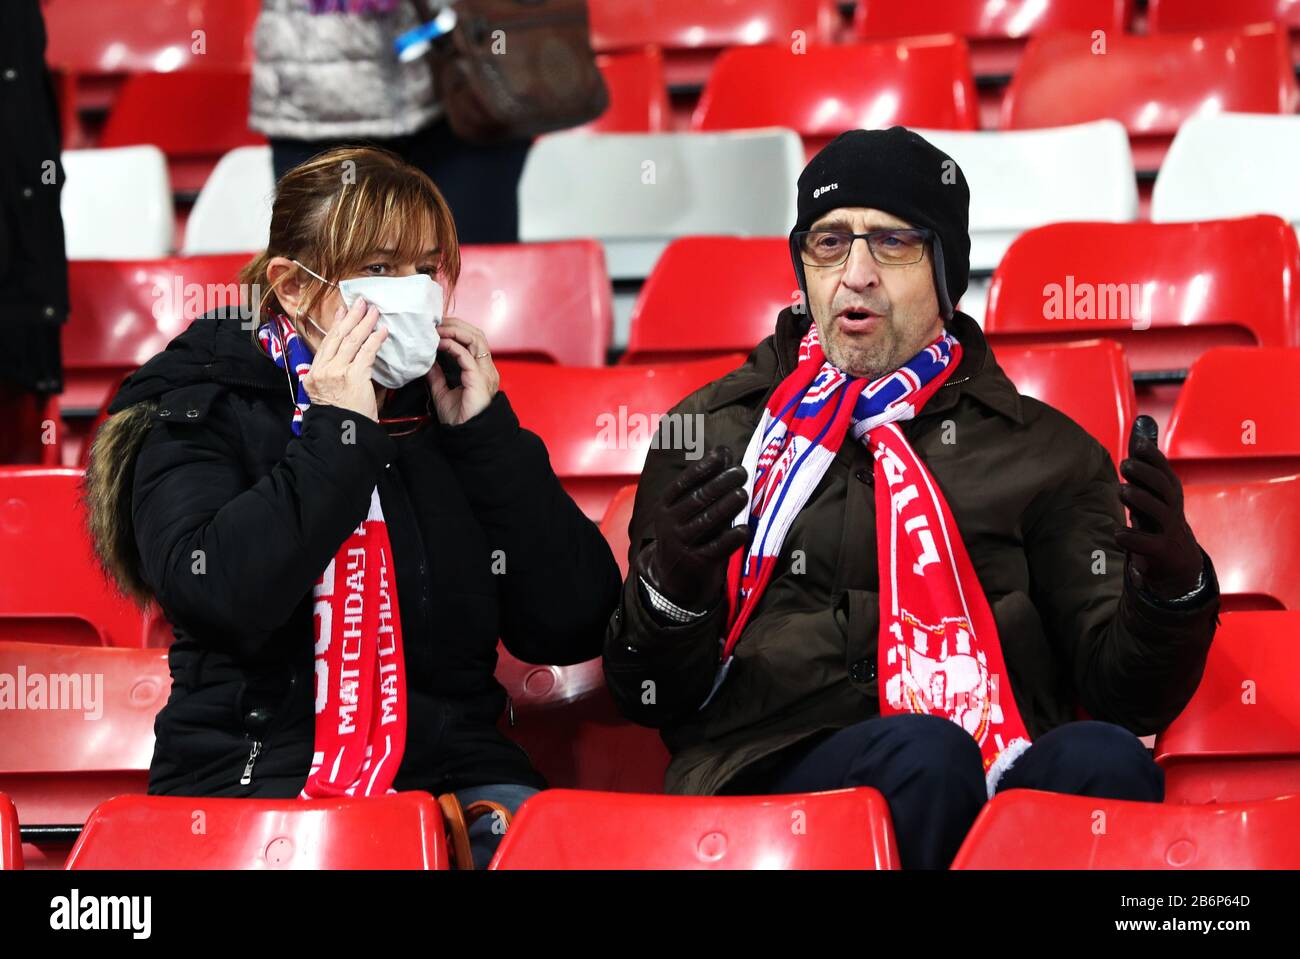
{"x": 694, "y": 538}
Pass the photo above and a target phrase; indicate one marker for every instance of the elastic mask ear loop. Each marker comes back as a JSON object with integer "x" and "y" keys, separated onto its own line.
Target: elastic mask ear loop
{"x": 284, "y": 347}
{"x": 323, "y": 280}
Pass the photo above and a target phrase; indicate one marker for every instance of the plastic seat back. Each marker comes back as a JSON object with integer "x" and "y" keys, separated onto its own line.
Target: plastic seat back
{"x": 158, "y": 108}
{"x": 1087, "y": 380}
{"x": 1166, "y": 292}
{"x": 1151, "y": 84}
{"x": 995, "y": 29}
{"x": 1251, "y": 531}
{"x": 1239, "y": 737}
{"x": 638, "y": 93}
{"x": 1235, "y": 416}
{"x": 146, "y": 36}
{"x": 117, "y": 204}
{"x": 233, "y": 211}
{"x": 564, "y": 829}
{"x": 80, "y": 728}
{"x": 691, "y": 32}
{"x": 125, "y": 311}
{"x": 51, "y": 587}
{"x": 402, "y": 831}
{"x": 1015, "y": 180}
{"x": 636, "y": 192}
{"x": 739, "y": 283}
{"x": 538, "y": 301}
{"x": 1232, "y": 164}
{"x": 33, "y": 433}
{"x": 1029, "y": 829}
{"x": 598, "y": 423}
{"x": 1172, "y": 16}
{"x": 11, "y": 847}
{"x": 821, "y": 91}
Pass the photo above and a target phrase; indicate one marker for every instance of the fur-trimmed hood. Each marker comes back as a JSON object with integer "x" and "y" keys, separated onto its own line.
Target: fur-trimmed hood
{"x": 214, "y": 349}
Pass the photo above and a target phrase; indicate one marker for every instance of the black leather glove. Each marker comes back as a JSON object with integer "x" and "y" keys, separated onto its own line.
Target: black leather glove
{"x": 1164, "y": 558}
{"x": 687, "y": 562}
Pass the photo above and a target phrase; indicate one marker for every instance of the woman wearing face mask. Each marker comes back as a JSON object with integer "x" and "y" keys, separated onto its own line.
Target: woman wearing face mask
{"x": 337, "y": 528}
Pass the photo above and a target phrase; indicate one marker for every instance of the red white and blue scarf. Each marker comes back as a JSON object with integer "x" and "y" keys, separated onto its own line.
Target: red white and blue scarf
{"x": 360, "y": 669}
{"x": 939, "y": 652}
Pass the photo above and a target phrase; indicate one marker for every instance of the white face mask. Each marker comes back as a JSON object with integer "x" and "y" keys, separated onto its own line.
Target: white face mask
{"x": 411, "y": 308}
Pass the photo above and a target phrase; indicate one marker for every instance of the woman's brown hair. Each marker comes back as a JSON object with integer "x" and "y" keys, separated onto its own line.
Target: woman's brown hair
{"x": 335, "y": 210}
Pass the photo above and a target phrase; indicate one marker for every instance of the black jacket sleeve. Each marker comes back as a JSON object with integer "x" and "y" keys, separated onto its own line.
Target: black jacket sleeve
{"x": 230, "y": 561}
{"x": 560, "y": 581}
{"x": 1132, "y": 661}
{"x": 658, "y": 674}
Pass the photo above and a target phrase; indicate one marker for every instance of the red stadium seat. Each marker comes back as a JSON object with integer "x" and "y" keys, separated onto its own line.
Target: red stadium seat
{"x": 1251, "y": 531}
{"x": 1029, "y": 829}
{"x": 11, "y": 848}
{"x": 739, "y": 283}
{"x": 598, "y": 423}
{"x": 567, "y": 722}
{"x": 564, "y": 717}
{"x": 995, "y": 29}
{"x": 1150, "y": 84}
{"x": 638, "y": 93}
{"x": 1239, "y": 737}
{"x": 1165, "y": 291}
{"x": 81, "y": 729}
{"x": 1183, "y": 15}
{"x": 538, "y": 301}
{"x": 1235, "y": 416}
{"x": 1165, "y": 16}
{"x": 691, "y": 32}
{"x": 824, "y": 90}
{"x": 51, "y": 588}
{"x": 614, "y": 525}
{"x": 160, "y": 108}
{"x": 94, "y": 43}
{"x": 403, "y": 831}
{"x": 563, "y": 829}
{"x": 1087, "y": 380}
{"x": 33, "y": 430}
{"x": 125, "y": 311}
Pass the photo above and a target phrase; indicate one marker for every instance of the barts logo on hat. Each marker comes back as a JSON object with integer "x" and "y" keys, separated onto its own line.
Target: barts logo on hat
{"x": 825, "y": 189}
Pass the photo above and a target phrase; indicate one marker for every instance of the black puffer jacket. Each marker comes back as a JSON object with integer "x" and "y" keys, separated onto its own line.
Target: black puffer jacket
{"x": 33, "y": 264}
{"x": 235, "y": 518}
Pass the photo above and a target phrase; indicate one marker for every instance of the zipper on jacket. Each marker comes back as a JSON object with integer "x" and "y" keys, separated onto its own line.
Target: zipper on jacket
{"x": 253, "y": 753}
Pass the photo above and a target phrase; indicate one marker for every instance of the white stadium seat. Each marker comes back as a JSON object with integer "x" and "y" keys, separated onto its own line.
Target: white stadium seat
{"x": 233, "y": 211}
{"x": 117, "y": 204}
{"x": 1020, "y": 179}
{"x": 1228, "y": 165}
{"x": 637, "y": 191}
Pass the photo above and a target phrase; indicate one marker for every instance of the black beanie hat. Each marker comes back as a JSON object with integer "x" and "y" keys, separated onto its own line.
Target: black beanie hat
{"x": 900, "y": 172}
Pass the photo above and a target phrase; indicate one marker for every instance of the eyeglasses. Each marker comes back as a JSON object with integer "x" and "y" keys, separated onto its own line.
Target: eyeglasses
{"x": 827, "y": 248}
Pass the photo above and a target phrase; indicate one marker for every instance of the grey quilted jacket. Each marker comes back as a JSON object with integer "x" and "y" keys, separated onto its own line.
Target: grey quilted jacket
{"x": 322, "y": 76}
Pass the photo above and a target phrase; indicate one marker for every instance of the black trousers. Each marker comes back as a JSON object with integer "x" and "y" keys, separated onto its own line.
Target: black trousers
{"x": 930, "y": 771}
{"x": 479, "y": 183}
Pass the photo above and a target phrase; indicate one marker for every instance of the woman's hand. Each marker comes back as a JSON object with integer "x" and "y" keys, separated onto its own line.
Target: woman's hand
{"x": 341, "y": 370}
{"x": 479, "y": 379}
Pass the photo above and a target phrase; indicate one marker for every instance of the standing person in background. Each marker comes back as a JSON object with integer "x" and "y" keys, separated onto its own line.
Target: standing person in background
{"x": 326, "y": 73}
{"x": 33, "y": 263}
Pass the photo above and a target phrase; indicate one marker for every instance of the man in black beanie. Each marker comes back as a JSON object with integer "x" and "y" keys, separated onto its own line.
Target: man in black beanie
{"x": 803, "y": 615}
